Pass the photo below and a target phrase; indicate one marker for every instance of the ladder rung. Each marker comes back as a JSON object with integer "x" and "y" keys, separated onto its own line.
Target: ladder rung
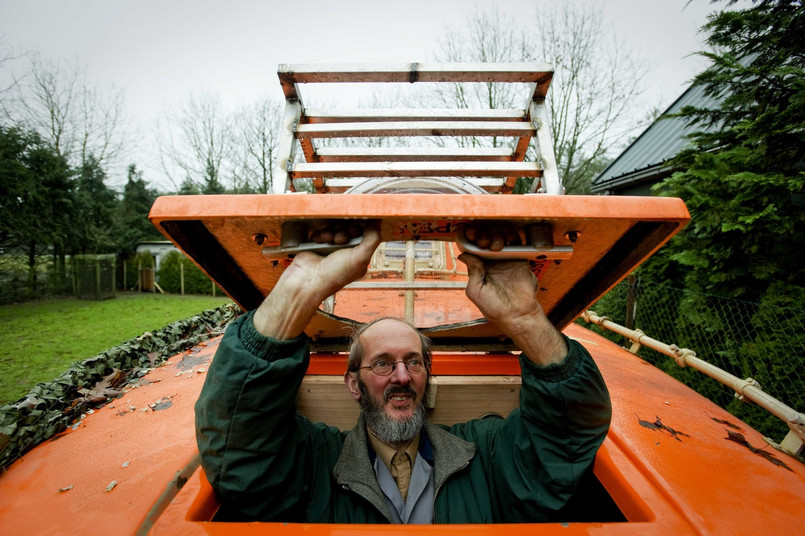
{"x": 410, "y": 72}
{"x": 340, "y": 185}
{"x": 416, "y": 169}
{"x": 416, "y": 128}
{"x": 314, "y": 116}
{"x": 403, "y": 154}
{"x": 406, "y": 285}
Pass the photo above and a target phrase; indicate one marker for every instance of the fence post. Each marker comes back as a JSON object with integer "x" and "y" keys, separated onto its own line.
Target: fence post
{"x": 97, "y": 278}
{"x": 181, "y": 276}
{"x": 631, "y": 300}
{"x": 73, "y": 279}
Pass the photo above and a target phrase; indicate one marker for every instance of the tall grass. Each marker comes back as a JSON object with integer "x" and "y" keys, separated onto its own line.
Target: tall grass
{"x": 38, "y": 340}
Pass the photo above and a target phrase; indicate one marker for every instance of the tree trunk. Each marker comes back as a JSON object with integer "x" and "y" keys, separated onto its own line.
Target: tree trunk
{"x": 32, "y": 269}
{"x": 59, "y": 269}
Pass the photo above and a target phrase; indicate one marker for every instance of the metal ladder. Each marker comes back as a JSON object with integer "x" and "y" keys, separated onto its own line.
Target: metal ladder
{"x": 340, "y": 169}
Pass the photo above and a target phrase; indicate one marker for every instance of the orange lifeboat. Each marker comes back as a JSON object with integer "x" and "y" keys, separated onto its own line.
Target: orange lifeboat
{"x": 673, "y": 462}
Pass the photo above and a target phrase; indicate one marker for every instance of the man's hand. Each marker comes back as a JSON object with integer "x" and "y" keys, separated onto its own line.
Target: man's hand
{"x": 307, "y": 282}
{"x": 505, "y": 291}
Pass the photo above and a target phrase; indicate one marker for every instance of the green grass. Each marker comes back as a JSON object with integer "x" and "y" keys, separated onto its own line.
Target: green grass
{"x": 39, "y": 340}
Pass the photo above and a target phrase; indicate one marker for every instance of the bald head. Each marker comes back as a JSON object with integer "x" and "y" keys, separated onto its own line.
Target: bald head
{"x": 378, "y": 328}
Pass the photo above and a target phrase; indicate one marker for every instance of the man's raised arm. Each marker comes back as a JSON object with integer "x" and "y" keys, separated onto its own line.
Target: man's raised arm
{"x": 506, "y": 294}
{"x": 542, "y": 451}
{"x": 307, "y": 282}
{"x": 253, "y": 448}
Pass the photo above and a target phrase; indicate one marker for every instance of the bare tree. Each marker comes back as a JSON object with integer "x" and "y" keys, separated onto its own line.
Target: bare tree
{"x": 8, "y": 83}
{"x": 195, "y": 143}
{"x": 594, "y": 88}
{"x": 45, "y": 101}
{"x": 102, "y": 127}
{"x": 485, "y": 38}
{"x": 595, "y": 81}
{"x": 79, "y": 120}
{"x": 255, "y": 131}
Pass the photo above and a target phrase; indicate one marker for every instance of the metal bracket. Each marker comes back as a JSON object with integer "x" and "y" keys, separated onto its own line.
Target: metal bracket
{"x": 739, "y": 389}
{"x": 636, "y": 344}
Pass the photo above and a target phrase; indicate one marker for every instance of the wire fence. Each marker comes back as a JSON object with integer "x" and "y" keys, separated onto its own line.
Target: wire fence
{"x": 742, "y": 338}
{"x": 97, "y": 276}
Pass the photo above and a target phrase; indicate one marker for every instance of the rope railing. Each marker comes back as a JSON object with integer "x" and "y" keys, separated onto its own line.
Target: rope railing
{"x": 747, "y": 389}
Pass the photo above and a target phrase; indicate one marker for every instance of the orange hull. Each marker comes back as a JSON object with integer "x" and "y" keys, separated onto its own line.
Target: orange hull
{"x": 697, "y": 483}
{"x": 667, "y": 465}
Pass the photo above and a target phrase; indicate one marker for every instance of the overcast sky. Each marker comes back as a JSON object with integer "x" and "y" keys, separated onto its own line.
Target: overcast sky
{"x": 158, "y": 51}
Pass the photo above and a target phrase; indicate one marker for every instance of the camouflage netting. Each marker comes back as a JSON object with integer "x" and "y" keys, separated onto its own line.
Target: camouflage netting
{"x": 51, "y": 407}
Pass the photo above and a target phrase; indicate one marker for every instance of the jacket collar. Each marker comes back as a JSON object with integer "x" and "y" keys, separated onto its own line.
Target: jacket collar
{"x": 354, "y": 470}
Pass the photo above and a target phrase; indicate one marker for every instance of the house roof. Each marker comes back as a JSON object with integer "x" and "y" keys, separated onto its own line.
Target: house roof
{"x": 647, "y": 157}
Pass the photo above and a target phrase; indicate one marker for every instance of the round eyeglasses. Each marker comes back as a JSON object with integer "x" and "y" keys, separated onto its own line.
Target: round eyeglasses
{"x": 384, "y": 367}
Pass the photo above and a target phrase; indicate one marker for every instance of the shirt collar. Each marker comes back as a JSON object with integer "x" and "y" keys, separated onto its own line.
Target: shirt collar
{"x": 386, "y": 451}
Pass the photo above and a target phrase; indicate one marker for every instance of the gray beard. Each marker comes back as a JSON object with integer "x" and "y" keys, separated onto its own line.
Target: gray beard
{"x": 384, "y": 427}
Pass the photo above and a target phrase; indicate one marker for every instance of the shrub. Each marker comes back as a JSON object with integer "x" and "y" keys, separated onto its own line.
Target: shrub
{"x": 174, "y": 267}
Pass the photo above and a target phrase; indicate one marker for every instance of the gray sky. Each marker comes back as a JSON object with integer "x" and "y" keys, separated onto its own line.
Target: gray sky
{"x": 159, "y": 51}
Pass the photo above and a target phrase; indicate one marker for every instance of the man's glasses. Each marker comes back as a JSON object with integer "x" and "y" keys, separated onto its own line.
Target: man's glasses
{"x": 384, "y": 367}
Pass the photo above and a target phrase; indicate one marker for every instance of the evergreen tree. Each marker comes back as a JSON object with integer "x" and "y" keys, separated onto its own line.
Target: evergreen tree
{"x": 96, "y": 206}
{"x": 188, "y": 187}
{"x": 132, "y": 225}
{"x": 36, "y": 200}
{"x": 55, "y": 208}
{"x": 744, "y": 176}
{"x": 742, "y": 180}
{"x": 16, "y": 183}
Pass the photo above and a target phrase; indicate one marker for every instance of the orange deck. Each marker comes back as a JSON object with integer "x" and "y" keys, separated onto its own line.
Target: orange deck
{"x": 700, "y": 483}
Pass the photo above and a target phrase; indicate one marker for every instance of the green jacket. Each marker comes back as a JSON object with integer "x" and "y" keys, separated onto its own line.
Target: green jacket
{"x": 268, "y": 462}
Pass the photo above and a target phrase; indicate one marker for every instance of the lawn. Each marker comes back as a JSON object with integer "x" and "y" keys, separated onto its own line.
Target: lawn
{"x": 39, "y": 340}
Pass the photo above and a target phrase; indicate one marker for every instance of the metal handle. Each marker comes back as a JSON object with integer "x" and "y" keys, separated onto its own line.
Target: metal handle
{"x": 321, "y": 249}
{"x": 531, "y": 251}
{"x": 292, "y": 242}
{"x": 539, "y": 235}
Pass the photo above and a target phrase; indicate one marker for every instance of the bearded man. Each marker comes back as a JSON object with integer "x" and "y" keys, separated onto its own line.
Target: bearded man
{"x": 267, "y": 462}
